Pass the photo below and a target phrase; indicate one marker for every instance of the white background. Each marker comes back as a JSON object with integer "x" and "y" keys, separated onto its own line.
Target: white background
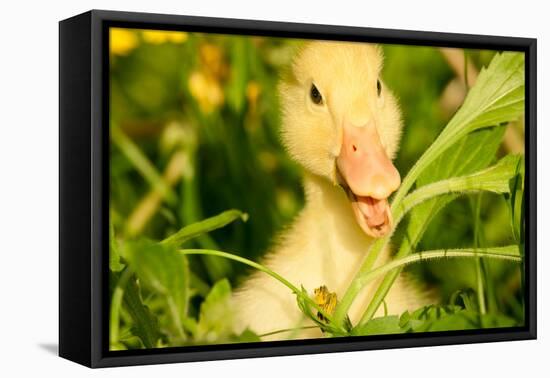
{"x": 29, "y": 187}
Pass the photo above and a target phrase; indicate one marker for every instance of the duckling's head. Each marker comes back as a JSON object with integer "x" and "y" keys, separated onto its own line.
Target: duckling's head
{"x": 342, "y": 123}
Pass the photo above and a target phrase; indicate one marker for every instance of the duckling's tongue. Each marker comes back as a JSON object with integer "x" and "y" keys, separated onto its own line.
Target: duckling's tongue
{"x": 373, "y": 210}
{"x": 368, "y": 175}
{"x": 373, "y": 215}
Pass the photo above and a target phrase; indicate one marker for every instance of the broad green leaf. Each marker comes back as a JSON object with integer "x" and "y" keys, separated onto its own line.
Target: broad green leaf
{"x": 246, "y": 337}
{"x": 215, "y": 323}
{"x": 216, "y": 316}
{"x": 472, "y": 153}
{"x": 165, "y": 272}
{"x": 145, "y": 323}
{"x": 497, "y": 97}
{"x": 204, "y": 226}
{"x": 496, "y": 179}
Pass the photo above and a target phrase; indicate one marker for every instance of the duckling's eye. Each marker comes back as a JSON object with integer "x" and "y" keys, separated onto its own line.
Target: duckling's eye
{"x": 315, "y": 95}
{"x": 378, "y": 87}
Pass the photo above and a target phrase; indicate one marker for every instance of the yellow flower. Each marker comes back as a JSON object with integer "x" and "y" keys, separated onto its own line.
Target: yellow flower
{"x": 326, "y": 300}
{"x": 122, "y": 41}
{"x": 206, "y": 90}
{"x": 157, "y": 37}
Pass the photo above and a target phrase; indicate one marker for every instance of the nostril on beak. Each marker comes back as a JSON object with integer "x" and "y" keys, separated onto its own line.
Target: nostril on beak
{"x": 354, "y": 148}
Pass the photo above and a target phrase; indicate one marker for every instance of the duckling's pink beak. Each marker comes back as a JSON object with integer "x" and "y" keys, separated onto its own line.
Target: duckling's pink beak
{"x": 369, "y": 177}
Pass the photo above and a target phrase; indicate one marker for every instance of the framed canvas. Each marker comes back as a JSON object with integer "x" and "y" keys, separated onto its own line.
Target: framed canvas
{"x": 234, "y": 188}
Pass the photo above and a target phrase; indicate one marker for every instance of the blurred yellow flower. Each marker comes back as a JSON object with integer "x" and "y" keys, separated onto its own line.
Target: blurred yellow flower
{"x": 157, "y": 37}
{"x": 213, "y": 61}
{"x": 206, "y": 90}
{"x": 253, "y": 90}
{"x": 122, "y": 41}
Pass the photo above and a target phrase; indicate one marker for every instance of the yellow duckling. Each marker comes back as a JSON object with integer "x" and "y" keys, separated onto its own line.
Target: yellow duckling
{"x": 343, "y": 125}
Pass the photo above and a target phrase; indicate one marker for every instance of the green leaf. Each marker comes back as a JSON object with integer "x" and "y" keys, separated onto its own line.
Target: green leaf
{"x": 379, "y": 326}
{"x": 472, "y": 153}
{"x": 204, "y": 226}
{"x": 145, "y": 323}
{"x": 494, "y": 179}
{"x": 246, "y": 337}
{"x": 165, "y": 272}
{"x": 216, "y": 316}
{"x": 497, "y": 97}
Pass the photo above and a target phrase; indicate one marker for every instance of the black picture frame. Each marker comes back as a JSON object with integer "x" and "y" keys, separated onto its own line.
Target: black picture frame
{"x": 84, "y": 189}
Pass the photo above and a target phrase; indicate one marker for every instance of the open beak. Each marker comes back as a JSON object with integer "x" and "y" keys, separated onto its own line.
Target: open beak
{"x": 368, "y": 176}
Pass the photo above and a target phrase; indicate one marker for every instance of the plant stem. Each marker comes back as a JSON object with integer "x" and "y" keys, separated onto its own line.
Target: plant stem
{"x": 479, "y": 276}
{"x": 509, "y": 253}
{"x": 287, "y": 330}
{"x": 261, "y": 268}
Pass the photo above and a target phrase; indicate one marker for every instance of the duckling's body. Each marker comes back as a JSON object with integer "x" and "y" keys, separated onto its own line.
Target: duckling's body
{"x": 344, "y": 133}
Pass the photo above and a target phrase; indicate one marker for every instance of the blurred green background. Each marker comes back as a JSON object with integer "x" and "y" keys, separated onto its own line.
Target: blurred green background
{"x": 194, "y": 131}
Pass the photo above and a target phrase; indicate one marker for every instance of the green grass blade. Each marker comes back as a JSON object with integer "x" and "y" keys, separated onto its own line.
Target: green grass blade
{"x": 141, "y": 163}
{"x": 204, "y": 226}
